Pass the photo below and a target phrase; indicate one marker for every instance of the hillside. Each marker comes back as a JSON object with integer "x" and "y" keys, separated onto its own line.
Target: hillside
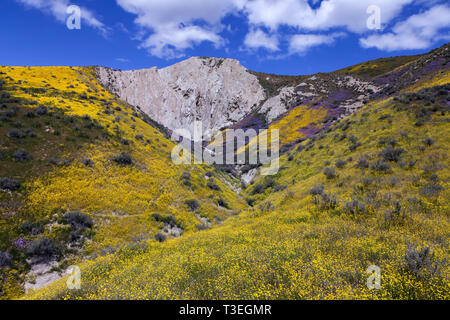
{"x": 369, "y": 190}
{"x": 82, "y": 170}
{"x": 87, "y": 179}
{"x": 312, "y": 235}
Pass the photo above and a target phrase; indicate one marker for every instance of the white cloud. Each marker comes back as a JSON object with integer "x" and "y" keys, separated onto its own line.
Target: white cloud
{"x": 419, "y": 31}
{"x": 349, "y": 14}
{"x": 177, "y": 25}
{"x": 301, "y": 43}
{"x": 257, "y": 38}
{"x": 58, "y": 8}
{"x": 170, "y": 27}
{"x": 170, "y": 42}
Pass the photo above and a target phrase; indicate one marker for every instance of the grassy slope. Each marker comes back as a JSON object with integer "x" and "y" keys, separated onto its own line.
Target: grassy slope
{"x": 296, "y": 246}
{"x": 120, "y": 199}
{"x": 377, "y": 67}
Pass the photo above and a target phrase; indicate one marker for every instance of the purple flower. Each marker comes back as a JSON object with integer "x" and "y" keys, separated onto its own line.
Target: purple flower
{"x": 20, "y": 243}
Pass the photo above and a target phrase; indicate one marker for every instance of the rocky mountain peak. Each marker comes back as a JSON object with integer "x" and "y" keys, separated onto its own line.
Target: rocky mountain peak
{"x": 218, "y": 92}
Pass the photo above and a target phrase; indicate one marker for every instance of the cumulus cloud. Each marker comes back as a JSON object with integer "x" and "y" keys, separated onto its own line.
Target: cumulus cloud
{"x": 257, "y": 38}
{"x": 58, "y": 8}
{"x": 176, "y": 25}
{"x": 349, "y": 14}
{"x": 419, "y": 31}
{"x": 301, "y": 43}
{"x": 170, "y": 27}
{"x": 170, "y": 42}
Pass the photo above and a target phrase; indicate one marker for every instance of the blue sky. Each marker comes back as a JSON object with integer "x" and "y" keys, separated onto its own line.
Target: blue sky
{"x": 273, "y": 36}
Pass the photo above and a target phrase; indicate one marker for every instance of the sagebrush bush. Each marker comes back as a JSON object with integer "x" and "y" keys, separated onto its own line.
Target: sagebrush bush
{"x": 30, "y": 132}
{"x": 32, "y": 228}
{"x": 428, "y": 142}
{"x": 160, "y": 237}
{"x": 9, "y": 184}
{"x": 170, "y": 219}
{"x": 355, "y": 207}
{"x": 22, "y": 155}
{"x": 123, "y": 159}
{"x": 391, "y": 154}
{"x": 420, "y": 262}
{"x": 388, "y": 141}
{"x": 41, "y": 110}
{"x": 5, "y": 259}
{"x": 362, "y": 163}
{"x": 125, "y": 142}
{"x": 381, "y": 166}
{"x": 431, "y": 190}
{"x": 330, "y": 173}
{"x": 77, "y": 220}
{"x": 340, "y": 163}
{"x": 186, "y": 176}
{"x": 30, "y": 114}
{"x": 317, "y": 190}
{"x": 213, "y": 186}
{"x": 44, "y": 250}
{"x": 192, "y": 204}
{"x": 210, "y": 174}
{"x": 16, "y": 134}
{"x": 87, "y": 162}
{"x": 222, "y": 202}
{"x": 328, "y": 201}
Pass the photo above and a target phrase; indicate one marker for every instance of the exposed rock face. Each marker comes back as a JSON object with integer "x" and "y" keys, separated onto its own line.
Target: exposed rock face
{"x": 218, "y": 92}
{"x": 221, "y": 93}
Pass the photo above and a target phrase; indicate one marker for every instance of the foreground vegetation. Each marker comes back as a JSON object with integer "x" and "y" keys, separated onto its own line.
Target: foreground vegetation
{"x": 70, "y": 147}
{"x": 371, "y": 190}
{"x": 87, "y": 180}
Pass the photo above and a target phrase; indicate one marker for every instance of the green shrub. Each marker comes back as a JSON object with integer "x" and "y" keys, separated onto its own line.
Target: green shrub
{"x": 77, "y": 220}
{"x": 381, "y": 166}
{"x": 355, "y": 207}
{"x": 16, "y": 134}
{"x": 221, "y": 202}
{"x": 21, "y": 155}
{"x": 160, "y": 237}
{"x": 317, "y": 190}
{"x": 391, "y": 154}
{"x": 5, "y": 259}
{"x": 340, "y": 163}
{"x": 431, "y": 190}
{"x": 41, "y": 110}
{"x": 192, "y": 204}
{"x": 363, "y": 163}
{"x": 9, "y": 184}
{"x": 87, "y": 162}
{"x": 186, "y": 176}
{"x": 123, "y": 159}
{"x": 213, "y": 186}
{"x": 330, "y": 173}
{"x": 44, "y": 250}
{"x": 428, "y": 142}
{"x": 420, "y": 262}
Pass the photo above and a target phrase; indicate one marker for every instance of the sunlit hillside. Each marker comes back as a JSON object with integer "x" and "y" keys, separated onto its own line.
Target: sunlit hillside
{"x": 369, "y": 190}
{"x": 83, "y": 174}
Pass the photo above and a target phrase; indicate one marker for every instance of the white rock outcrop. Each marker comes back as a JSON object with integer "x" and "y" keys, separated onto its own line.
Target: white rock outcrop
{"x": 218, "y": 92}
